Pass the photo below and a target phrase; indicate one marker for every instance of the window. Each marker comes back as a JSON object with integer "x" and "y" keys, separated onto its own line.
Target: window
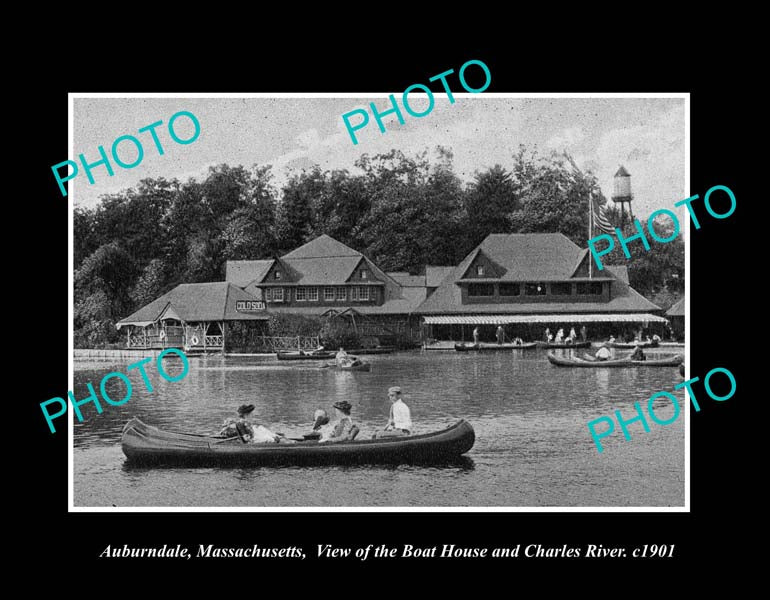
{"x": 277, "y": 275}
{"x": 481, "y": 289}
{"x": 354, "y": 294}
{"x": 268, "y": 295}
{"x": 329, "y": 294}
{"x": 312, "y": 294}
{"x": 363, "y": 293}
{"x": 364, "y": 274}
{"x": 510, "y": 289}
{"x": 480, "y": 270}
{"x": 589, "y": 288}
{"x": 278, "y": 295}
{"x": 561, "y": 289}
{"x": 342, "y": 293}
{"x": 301, "y": 294}
{"x": 534, "y": 289}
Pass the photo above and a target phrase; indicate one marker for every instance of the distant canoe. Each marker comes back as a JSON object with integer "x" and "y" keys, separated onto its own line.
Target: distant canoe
{"x": 632, "y": 345}
{"x": 305, "y": 355}
{"x": 493, "y": 347}
{"x": 562, "y": 361}
{"x": 364, "y": 366}
{"x": 563, "y": 345}
{"x": 144, "y": 444}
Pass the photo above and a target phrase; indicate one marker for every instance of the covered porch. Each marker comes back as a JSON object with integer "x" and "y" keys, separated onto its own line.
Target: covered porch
{"x": 193, "y": 317}
{"x": 532, "y": 327}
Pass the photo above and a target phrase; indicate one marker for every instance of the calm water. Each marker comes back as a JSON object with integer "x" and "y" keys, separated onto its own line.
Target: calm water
{"x": 532, "y": 444}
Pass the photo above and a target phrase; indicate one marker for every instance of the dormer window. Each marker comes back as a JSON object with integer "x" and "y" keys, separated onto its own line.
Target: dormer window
{"x": 480, "y": 270}
{"x": 277, "y": 275}
{"x": 364, "y": 274}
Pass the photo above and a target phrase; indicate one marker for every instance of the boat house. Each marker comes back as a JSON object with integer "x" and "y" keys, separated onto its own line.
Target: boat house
{"x": 326, "y": 278}
{"x": 530, "y": 282}
{"x": 192, "y": 316}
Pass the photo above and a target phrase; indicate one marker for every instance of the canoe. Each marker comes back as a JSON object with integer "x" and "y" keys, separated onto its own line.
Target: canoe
{"x": 563, "y": 345}
{"x": 144, "y": 444}
{"x": 632, "y": 345}
{"x": 305, "y": 355}
{"x": 671, "y": 360}
{"x": 364, "y": 366}
{"x": 493, "y": 347}
{"x": 380, "y": 350}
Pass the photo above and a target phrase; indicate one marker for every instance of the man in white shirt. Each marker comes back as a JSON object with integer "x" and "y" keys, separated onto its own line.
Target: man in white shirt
{"x": 400, "y": 419}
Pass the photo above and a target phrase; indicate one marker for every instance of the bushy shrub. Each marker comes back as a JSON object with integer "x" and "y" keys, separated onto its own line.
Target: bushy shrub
{"x": 336, "y": 333}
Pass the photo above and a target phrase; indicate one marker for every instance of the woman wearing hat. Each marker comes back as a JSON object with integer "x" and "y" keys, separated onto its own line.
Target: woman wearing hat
{"x": 343, "y": 427}
{"x": 241, "y": 427}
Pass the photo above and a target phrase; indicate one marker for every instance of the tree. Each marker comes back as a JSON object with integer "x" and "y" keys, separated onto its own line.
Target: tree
{"x": 554, "y": 195}
{"x": 489, "y": 202}
{"x": 295, "y": 213}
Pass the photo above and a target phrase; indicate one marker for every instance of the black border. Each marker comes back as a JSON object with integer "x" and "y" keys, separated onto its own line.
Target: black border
{"x": 705, "y": 537}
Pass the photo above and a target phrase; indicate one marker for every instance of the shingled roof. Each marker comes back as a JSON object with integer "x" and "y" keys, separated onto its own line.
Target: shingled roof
{"x": 677, "y": 310}
{"x": 532, "y": 257}
{"x": 195, "y": 302}
{"x": 243, "y": 272}
{"x": 527, "y": 256}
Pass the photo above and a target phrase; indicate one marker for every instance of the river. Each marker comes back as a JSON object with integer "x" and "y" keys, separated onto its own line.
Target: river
{"x": 532, "y": 445}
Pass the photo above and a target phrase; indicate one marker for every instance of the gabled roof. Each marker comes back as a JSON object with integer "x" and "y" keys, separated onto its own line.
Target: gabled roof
{"x": 435, "y": 275}
{"x": 534, "y": 257}
{"x": 528, "y": 256}
{"x": 677, "y": 310}
{"x": 243, "y": 272}
{"x": 195, "y": 302}
{"x": 322, "y": 246}
{"x": 323, "y": 270}
{"x": 407, "y": 280}
{"x": 619, "y": 271}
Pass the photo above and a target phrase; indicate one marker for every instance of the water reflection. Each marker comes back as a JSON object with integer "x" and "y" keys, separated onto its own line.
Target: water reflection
{"x": 532, "y": 446}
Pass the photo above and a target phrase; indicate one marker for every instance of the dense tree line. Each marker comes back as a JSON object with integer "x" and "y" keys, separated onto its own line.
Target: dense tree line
{"x": 403, "y": 212}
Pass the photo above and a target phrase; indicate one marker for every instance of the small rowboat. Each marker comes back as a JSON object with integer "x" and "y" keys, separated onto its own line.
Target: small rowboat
{"x": 144, "y": 444}
{"x": 363, "y": 366}
{"x": 671, "y": 360}
{"x": 301, "y": 355}
{"x": 493, "y": 347}
{"x": 632, "y": 345}
{"x": 564, "y": 345}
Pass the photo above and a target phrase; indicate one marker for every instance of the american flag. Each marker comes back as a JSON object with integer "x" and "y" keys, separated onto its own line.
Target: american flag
{"x": 600, "y": 218}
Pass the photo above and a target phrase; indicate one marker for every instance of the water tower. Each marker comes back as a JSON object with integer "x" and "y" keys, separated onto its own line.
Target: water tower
{"x": 621, "y": 194}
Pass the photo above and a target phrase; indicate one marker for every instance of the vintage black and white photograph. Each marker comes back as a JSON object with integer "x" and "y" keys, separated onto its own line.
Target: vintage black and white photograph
{"x": 326, "y": 302}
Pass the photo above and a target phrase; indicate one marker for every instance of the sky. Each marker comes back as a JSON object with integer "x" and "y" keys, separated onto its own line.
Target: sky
{"x": 646, "y": 135}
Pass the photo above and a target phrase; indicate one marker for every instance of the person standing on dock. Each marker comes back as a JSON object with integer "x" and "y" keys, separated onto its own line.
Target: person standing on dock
{"x": 583, "y": 333}
{"x": 547, "y": 334}
{"x": 476, "y": 335}
{"x": 500, "y": 335}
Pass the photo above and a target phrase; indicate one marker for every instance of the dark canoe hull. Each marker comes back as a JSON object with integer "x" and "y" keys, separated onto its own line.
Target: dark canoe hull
{"x": 573, "y": 345}
{"x": 305, "y": 356}
{"x": 380, "y": 350}
{"x": 561, "y": 361}
{"x": 147, "y": 445}
{"x": 631, "y": 346}
{"x": 493, "y": 347}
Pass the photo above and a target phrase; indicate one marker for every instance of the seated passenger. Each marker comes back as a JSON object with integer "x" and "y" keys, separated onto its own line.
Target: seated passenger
{"x": 342, "y": 358}
{"x": 518, "y": 341}
{"x": 342, "y": 427}
{"x": 638, "y": 354}
{"x": 399, "y": 419}
{"x": 603, "y": 353}
{"x": 242, "y": 428}
{"x": 656, "y": 338}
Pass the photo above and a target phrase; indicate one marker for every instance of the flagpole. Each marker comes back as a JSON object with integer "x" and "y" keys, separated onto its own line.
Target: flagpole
{"x": 590, "y": 232}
